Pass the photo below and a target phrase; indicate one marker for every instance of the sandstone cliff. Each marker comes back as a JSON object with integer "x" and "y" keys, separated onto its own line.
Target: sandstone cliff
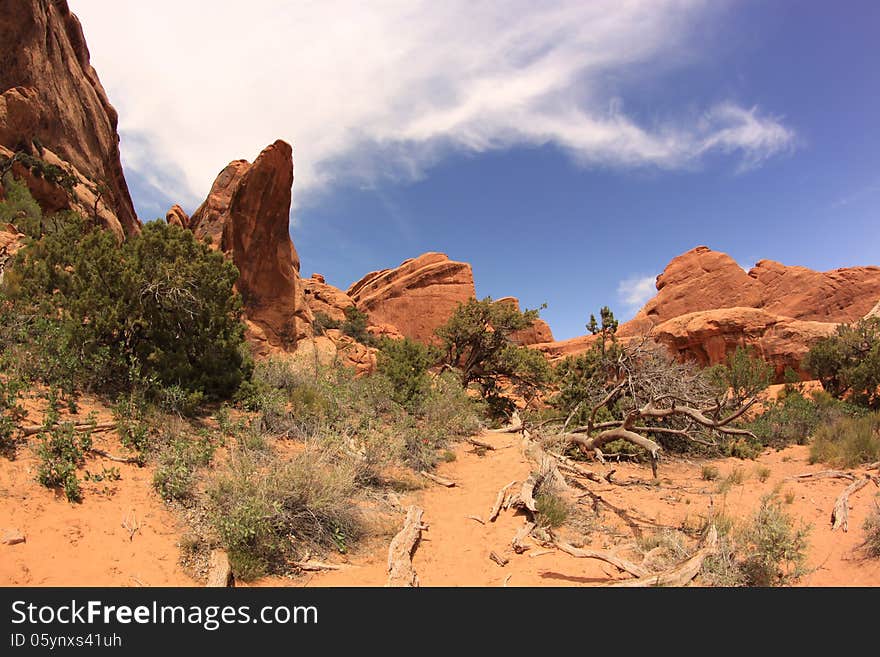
{"x": 53, "y": 106}
{"x": 246, "y": 215}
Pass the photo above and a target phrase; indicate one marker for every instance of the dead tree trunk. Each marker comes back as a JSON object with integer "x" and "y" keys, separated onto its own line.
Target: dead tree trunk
{"x": 840, "y": 513}
{"x": 400, "y": 569}
{"x": 682, "y": 574}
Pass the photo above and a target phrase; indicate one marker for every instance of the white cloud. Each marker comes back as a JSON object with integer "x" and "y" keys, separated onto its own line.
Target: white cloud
{"x": 384, "y": 89}
{"x": 636, "y": 291}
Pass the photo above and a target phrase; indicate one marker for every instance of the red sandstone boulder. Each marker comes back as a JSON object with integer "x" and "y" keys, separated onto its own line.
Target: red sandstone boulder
{"x": 247, "y": 217}
{"x": 417, "y": 297}
{"x": 51, "y": 98}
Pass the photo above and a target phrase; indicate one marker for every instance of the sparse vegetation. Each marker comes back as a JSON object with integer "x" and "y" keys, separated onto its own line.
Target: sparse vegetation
{"x": 709, "y": 472}
{"x": 767, "y": 550}
{"x": 763, "y": 473}
{"x": 177, "y": 462}
{"x": 872, "y": 530}
{"x": 552, "y": 509}
{"x": 264, "y": 509}
{"x": 61, "y": 450}
{"x": 734, "y": 478}
{"x": 847, "y": 442}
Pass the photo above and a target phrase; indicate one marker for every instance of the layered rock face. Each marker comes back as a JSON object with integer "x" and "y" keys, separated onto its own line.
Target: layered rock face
{"x": 417, "y": 297}
{"x": 53, "y": 106}
{"x": 707, "y": 305}
{"x": 246, "y": 215}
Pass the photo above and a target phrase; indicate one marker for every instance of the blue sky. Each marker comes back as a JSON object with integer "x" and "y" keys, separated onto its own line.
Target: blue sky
{"x": 567, "y": 152}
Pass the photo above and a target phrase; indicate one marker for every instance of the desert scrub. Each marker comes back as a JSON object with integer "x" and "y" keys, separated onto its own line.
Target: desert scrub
{"x": 179, "y": 458}
{"x": 552, "y": 510}
{"x": 10, "y": 414}
{"x": 872, "y": 530}
{"x": 767, "y": 550}
{"x": 709, "y": 473}
{"x": 847, "y": 442}
{"x": 734, "y": 478}
{"x": 61, "y": 450}
{"x": 265, "y": 511}
{"x": 794, "y": 417}
{"x": 763, "y": 473}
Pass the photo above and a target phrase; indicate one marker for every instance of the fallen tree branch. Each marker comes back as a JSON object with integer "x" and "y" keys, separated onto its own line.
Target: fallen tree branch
{"x": 840, "y": 513}
{"x": 499, "y": 501}
{"x": 518, "y": 546}
{"x": 682, "y": 574}
{"x": 448, "y": 483}
{"x": 620, "y": 563}
{"x": 79, "y": 428}
{"x": 497, "y": 558}
{"x": 316, "y": 566}
{"x": 118, "y": 459}
{"x": 825, "y": 474}
{"x": 515, "y": 426}
{"x": 480, "y": 443}
{"x": 400, "y": 569}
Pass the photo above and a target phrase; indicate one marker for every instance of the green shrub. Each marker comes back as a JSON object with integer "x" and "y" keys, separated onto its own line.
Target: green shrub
{"x": 11, "y": 413}
{"x": 763, "y": 473}
{"x": 794, "y": 417}
{"x": 265, "y": 511}
{"x": 872, "y": 530}
{"x": 405, "y": 364}
{"x": 848, "y": 363}
{"x": 159, "y": 308}
{"x": 61, "y": 451}
{"x": 767, "y": 550}
{"x": 178, "y": 460}
{"x": 847, "y": 442}
{"x": 734, "y": 478}
{"x": 355, "y": 325}
{"x": 710, "y": 473}
{"x": 324, "y": 322}
{"x": 552, "y": 510}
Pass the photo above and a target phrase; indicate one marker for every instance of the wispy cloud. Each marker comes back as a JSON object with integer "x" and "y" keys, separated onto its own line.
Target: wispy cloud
{"x": 636, "y": 291}
{"x": 368, "y": 91}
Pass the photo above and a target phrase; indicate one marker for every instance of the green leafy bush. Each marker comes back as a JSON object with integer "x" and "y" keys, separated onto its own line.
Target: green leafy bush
{"x": 848, "y": 363}
{"x": 405, "y": 364}
{"x": 355, "y": 325}
{"x": 324, "y": 322}
{"x": 11, "y": 413}
{"x": 793, "y": 418}
{"x": 61, "y": 451}
{"x": 178, "y": 461}
{"x": 159, "y": 308}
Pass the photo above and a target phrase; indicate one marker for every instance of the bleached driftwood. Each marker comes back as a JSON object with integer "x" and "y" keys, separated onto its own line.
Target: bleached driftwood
{"x": 608, "y": 557}
{"x": 499, "y": 501}
{"x": 219, "y": 570}
{"x": 448, "y": 483}
{"x": 400, "y": 568}
{"x": 682, "y": 574}
{"x": 840, "y": 513}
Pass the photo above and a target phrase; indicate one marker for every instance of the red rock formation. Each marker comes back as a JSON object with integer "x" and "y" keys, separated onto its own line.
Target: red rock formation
{"x": 707, "y": 305}
{"x": 247, "y": 216}
{"x": 709, "y": 336}
{"x": 538, "y": 332}
{"x": 326, "y": 299}
{"x": 50, "y": 93}
{"x": 417, "y": 297}
{"x": 176, "y": 216}
{"x": 840, "y": 295}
